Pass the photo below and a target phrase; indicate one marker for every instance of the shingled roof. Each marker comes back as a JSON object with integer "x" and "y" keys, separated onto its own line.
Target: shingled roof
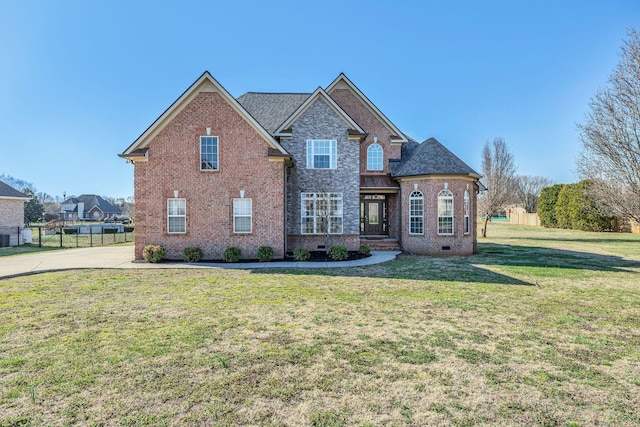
{"x": 271, "y": 109}
{"x": 428, "y": 158}
{"x": 9, "y": 192}
{"x": 92, "y": 200}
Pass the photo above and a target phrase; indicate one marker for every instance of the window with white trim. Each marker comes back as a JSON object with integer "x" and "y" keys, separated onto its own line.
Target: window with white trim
{"x": 416, "y": 213}
{"x": 209, "y": 153}
{"x": 242, "y": 215}
{"x": 374, "y": 157}
{"x": 467, "y": 211}
{"x": 322, "y": 154}
{"x": 176, "y": 216}
{"x": 321, "y": 213}
{"x": 445, "y": 213}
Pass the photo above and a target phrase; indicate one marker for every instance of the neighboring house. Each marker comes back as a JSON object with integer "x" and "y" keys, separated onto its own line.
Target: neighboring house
{"x": 11, "y": 214}
{"x": 88, "y": 207}
{"x": 294, "y": 170}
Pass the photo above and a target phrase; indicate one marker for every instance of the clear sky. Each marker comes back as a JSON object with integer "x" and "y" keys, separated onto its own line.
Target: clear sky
{"x": 81, "y": 80}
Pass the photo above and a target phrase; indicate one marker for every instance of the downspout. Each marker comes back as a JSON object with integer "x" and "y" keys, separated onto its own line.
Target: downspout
{"x": 284, "y": 208}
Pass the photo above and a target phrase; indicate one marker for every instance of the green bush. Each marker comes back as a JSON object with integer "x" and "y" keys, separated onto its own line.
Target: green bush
{"x": 265, "y": 253}
{"x": 232, "y": 254}
{"x": 128, "y": 229}
{"x": 364, "y": 250}
{"x": 154, "y": 253}
{"x": 70, "y": 230}
{"x": 301, "y": 254}
{"x": 192, "y": 254}
{"x": 547, "y": 205}
{"x": 338, "y": 253}
{"x": 109, "y": 230}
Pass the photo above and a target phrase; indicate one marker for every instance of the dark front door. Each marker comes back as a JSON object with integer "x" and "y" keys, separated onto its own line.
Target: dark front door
{"x": 373, "y": 215}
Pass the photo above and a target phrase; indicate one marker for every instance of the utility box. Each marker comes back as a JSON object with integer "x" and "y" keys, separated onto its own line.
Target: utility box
{"x": 4, "y": 240}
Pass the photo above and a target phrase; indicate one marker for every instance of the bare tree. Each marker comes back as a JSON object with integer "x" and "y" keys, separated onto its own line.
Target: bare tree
{"x": 528, "y": 189}
{"x": 499, "y": 176}
{"x": 610, "y": 137}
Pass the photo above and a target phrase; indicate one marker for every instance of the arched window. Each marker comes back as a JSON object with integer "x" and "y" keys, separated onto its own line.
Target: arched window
{"x": 374, "y": 157}
{"x": 467, "y": 210}
{"x": 445, "y": 212}
{"x": 416, "y": 213}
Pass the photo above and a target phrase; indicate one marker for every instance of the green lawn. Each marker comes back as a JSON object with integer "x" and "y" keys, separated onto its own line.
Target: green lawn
{"x": 417, "y": 341}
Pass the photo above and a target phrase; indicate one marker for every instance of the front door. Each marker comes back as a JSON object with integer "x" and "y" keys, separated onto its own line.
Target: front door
{"x": 373, "y": 215}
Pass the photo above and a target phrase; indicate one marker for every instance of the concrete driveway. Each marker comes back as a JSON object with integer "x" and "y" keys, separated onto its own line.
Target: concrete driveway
{"x": 118, "y": 256}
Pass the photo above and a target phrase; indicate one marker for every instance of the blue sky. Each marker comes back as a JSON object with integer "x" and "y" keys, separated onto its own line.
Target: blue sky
{"x": 82, "y": 79}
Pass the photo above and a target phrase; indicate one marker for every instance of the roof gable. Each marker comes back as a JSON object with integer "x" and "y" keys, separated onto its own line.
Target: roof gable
{"x": 283, "y": 129}
{"x": 429, "y": 158}
{"x": 93, "y": 201}
{"x": 8, "y": 192}
{"x": 205, "y": 83}
{"x": 342, "y": 82}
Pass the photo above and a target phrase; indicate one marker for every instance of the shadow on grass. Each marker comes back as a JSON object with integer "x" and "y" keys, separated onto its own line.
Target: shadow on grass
{"x": 533, "y": 256}
{"x": 527, "y": 261}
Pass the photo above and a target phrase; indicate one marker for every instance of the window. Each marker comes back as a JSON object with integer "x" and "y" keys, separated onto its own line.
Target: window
{"x": 445, "y": 212}
{"x": 467, "y": 210}
{"x": 208, "y": 153}
{"x": 176, "y": 216}
{"x": 321, "y": 213}
{"x": 321, "y": 154}
{"x": 242, "y": 211}
{"x": 416, "y": 213}
{"x": 374, "y": 157}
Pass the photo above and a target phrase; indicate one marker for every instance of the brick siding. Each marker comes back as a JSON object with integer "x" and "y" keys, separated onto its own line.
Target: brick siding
{"x": 174, "y": 164}
{"x": 430, "y": 242}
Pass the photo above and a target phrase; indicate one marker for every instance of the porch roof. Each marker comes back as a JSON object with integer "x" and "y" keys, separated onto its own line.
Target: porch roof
{"x": 382, "y": 183}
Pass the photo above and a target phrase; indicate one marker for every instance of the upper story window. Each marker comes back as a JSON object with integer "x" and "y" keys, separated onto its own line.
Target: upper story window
{"x": 176, "y": 216}
{"x": 242, "y": 213}
{"x": 416, "y": 213}
{"x": 374, "y": 157}
{"x": 209, "y": 153}
{"x": 445, "y": 212}
{"x": 322, "y": 154}
{"x": 467, "y": 211}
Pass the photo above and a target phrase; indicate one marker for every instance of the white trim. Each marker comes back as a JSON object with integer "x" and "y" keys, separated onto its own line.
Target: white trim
{"x": 467, "y": 212}
{"x": 177, "y": 215}
{"x": 416, "y": 195}
{"x": 370, "y": 105}
{"x": 328, "y": 198}
{"x": 375, "y": 144}
{"x": 205, "y": 83}
{"x": 250, "y": 215}
{"x": 319, "y": 93}
{"x": 311, "y": 153}
{"x": 217, "y": 153}
{"x": 445, "y": 195}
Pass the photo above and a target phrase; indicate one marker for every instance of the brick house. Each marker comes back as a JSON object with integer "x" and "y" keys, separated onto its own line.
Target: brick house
{"x": 11, "y": 214}
{"x": 291, "y": 170}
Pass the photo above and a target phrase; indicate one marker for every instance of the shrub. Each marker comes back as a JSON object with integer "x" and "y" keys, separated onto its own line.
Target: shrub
{"x": 109, "y": 230}
{"x": 192, "y": 254}
{"x": 232, "y": 254}
{"x": 70, "y": 230}
{"x": 265, "y": 253}
{"x": 364, "y": 250}
{"x": 154, "y": 253}
{"x": 338, "y": 253}
{"x": 547, "y": 205}
{"x": 301, "y": 254}
{"x": 128, "y": 229}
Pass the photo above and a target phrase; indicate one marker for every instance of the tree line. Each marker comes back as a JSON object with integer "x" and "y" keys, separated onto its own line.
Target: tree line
{"x": 608, "y": 165}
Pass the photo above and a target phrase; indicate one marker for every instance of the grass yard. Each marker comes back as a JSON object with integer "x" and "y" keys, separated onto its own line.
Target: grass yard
{"x": 417, "y": 341}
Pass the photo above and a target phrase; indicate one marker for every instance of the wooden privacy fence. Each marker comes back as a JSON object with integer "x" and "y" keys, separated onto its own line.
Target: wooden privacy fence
{"x": 524, "y": 219}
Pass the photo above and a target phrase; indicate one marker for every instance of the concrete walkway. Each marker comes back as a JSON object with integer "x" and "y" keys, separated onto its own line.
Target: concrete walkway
{"x": 119, "y": 257}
